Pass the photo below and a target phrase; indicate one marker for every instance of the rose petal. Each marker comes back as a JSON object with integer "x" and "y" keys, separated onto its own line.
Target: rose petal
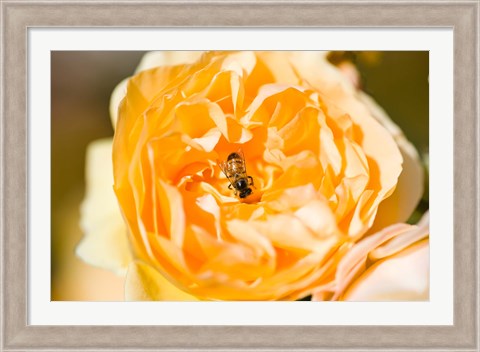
{"x": 336, "y": 90}
{"x": 402, "y": 277}
{"x": 356, "y": 257}
{"x": 392, "y": 240}
{"x": 401, "y": 204}
{"x": 171, "y": 205}
{"x": 117, "y": 95}
{"x": 144, "y": 283}
{"x": 288, "y": 232}
{"x": 318, "y": 217}
{"x": 403, "y": 240}
{"x": 150, "y": 60}
{"x": 167, "y": 58}
{"x": 105, "y": 243}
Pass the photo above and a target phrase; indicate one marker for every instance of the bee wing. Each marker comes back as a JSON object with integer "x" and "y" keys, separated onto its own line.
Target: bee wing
{"x": 242, "y": 156}
{"x": 223, "y": 167}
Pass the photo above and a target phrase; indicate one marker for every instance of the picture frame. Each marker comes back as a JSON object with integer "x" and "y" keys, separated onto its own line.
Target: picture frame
{"x": 18, "y": 16}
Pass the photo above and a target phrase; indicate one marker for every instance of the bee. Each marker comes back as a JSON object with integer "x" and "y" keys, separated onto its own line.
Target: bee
{"x": 236, "y": 171}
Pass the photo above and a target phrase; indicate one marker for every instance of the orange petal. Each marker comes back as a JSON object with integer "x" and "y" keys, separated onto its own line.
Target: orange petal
{"x": 171, "y": 205}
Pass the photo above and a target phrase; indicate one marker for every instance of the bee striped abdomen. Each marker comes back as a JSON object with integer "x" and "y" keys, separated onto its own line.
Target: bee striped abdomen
{"x": 235, "y": 164}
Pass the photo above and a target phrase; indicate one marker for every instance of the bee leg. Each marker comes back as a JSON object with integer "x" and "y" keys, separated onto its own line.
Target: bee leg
{"x": 251, "y": 181}
{"x": 230, "y": 186}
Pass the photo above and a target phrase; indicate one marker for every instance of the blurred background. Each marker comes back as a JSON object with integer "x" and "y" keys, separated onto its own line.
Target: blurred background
{"x": 81, "y": 84}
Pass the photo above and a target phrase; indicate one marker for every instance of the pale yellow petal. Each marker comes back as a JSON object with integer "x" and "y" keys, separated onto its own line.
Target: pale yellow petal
{"x": 247, "y": 235}
{"x": 117, "y": 96}
{"x": 318, "y": 218}
{"x": 402, "y": 277}
{"x": 167, "y": 58}
{"x": 144, "y": 283}
{"x": 401, "y": 204}
{"x": 105, "y": 243}
{"x": 384, "y": 244}
{"x": 289, "y": 233}
{"x": 403, "y": 240}
{"x": 355, "y": 259}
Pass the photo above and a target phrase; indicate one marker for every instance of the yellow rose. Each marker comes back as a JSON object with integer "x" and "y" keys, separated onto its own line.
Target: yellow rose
{"x": 321, "y": 165}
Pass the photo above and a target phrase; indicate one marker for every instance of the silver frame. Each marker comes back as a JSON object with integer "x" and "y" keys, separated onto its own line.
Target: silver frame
{"x": 18, "y": 15}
